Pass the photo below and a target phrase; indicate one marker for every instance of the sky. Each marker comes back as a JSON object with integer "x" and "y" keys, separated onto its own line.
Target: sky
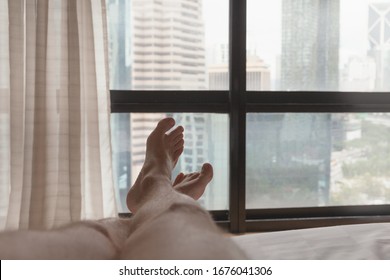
{"x": 264, "y": 26}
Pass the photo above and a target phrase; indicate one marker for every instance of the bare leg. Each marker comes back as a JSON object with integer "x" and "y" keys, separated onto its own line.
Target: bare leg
{"x": 172, "y": 144}
{"x": 169, "y": 224}
{"x": 101, "y": 239}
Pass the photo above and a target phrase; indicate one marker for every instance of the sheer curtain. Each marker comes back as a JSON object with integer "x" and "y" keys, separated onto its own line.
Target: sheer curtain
{"x": 55, "y": 153}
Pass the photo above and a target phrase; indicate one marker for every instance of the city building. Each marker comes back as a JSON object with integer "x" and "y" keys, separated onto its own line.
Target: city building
{"x": 168, "y": 45}
{"x": 379, "y": 38}
{"x": 310, "y": 45}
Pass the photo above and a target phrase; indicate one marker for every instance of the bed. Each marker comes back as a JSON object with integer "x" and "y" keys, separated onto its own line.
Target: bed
{"x": 347, "y": 242}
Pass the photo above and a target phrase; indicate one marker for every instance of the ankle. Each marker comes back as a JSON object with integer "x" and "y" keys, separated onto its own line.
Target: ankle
{"x": 153, "y": 181}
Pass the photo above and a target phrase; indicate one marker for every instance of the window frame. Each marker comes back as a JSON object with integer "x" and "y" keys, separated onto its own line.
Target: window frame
{"x": 237, "y": 102}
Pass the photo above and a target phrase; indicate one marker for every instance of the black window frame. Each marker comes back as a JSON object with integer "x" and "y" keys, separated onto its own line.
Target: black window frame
{"x": 237, "y": 102}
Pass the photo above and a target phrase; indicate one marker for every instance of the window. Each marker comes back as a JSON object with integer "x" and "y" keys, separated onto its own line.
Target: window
{"x": 288, "y": 100}
{"x": 172, "y": 49}
{"x": 129, "y": 132}
{"x": 317, "y": 159}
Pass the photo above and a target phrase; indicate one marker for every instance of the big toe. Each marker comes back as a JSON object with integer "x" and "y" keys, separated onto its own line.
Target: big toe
{"x": 207, "y": 171}
{"x": 165, "y": 125}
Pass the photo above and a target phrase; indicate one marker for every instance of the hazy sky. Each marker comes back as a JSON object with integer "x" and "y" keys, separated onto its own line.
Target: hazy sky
{"x": 264, "y": 26}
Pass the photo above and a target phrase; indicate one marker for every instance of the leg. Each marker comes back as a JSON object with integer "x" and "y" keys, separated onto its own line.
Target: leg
{"x": 168, "y": 222}
{"x": 81, "y": 240}
{"x": 172, "y": 141}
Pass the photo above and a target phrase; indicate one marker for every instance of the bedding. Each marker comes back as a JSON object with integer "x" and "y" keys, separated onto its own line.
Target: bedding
{"x": 347, "y": 242}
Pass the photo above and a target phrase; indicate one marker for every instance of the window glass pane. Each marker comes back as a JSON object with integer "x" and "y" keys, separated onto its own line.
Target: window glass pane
{"x": 319, "y": 45}
{"x": 317, "y": 159}
{"x": 206, "y": 140}
{"x": 168, "y": 44}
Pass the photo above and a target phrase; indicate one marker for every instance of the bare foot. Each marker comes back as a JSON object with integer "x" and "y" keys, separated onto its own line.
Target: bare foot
{"x": 162, "y": 153}
{"x": 164, "y": 148}
{"x": 194, "y": 184}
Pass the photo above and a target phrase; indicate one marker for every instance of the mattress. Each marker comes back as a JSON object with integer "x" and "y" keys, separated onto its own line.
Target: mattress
{"x": 348, "y": 242}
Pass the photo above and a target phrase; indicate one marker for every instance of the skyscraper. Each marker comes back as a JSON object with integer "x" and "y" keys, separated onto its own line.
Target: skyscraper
{"x": 379, "y": 38}
{"x": 310, "y": 45}
{"x": 168, "y": 45}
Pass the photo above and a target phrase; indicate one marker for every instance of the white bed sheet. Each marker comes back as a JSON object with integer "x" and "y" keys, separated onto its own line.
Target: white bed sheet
{"x": 349, "y": 242}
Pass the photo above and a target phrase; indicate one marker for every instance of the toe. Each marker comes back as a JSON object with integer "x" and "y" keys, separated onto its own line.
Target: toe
{"x": 207, "y": 170}
{"x": 177, "y": 139}
{"x": 179, "y": 144}
{"x": 178, "y": 131}
{"x": 179, "y": 179}
{"x": 194, "y": 175}
{"x": 165, "y": 124}
{"x": 177, "y": 153}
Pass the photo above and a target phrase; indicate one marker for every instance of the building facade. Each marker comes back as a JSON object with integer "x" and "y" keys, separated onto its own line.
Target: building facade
{"x": 379, "y": 39}
{"x": 310, "y": 45}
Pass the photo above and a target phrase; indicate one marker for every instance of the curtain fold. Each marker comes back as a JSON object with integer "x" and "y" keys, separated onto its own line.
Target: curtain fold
{"x": 55, "y": 153}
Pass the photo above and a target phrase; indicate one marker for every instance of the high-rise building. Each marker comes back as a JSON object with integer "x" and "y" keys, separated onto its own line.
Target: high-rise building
{"x": 168, "y": 45}
{"x": 379, "y": 38}
{"x": 310, "y": 45}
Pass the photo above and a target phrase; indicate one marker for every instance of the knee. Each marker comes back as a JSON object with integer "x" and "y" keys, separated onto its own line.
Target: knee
{"x": 97, "y": 231}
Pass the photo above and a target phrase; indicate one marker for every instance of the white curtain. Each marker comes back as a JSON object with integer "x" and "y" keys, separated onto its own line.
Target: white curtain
{"x": 55, "y": 153}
